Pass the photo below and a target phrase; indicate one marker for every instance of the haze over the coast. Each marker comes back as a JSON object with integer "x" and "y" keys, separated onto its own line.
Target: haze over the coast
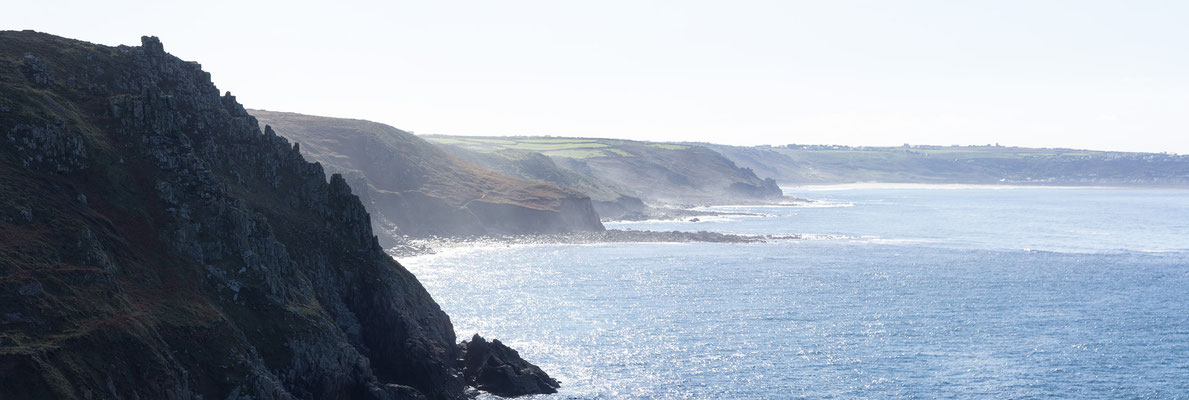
{"x": 1086, "y": 74}
{"x": 227, "y": 200}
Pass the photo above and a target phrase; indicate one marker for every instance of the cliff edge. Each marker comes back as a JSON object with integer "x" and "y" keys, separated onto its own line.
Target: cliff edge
{"x": 158, "y": 244}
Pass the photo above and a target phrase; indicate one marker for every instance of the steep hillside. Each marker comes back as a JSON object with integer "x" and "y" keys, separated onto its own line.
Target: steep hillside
{"x": 655, "y": 172}
{"x": 800, "y": 164}
{"x": 609, "y": 202}
{"x": 412, "y": 187}
{"x": 157, "y": 245}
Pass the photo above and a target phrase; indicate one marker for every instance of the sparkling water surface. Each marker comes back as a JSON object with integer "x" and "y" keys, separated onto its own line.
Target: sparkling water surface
{"x": 896, "y": 293}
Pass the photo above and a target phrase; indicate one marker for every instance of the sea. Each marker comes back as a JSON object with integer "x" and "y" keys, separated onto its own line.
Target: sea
{"x": 892, "y": 291}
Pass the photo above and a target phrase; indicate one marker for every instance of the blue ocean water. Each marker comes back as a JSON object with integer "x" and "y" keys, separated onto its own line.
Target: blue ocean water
{"x": 895, "y": 293}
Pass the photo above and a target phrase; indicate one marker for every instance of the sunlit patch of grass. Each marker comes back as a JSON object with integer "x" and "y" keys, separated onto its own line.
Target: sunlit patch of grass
{"x": 554, "y": 146}
{"x": 577, "y": 153}
{"x": 557, "y": 140}
{"x": 492, "y": 141}
{"x": 551, "y": 146}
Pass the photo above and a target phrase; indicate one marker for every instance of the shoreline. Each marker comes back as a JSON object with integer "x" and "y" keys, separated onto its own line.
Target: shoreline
{"x": 424, "y": 246}
{"x": 676, "y": 212}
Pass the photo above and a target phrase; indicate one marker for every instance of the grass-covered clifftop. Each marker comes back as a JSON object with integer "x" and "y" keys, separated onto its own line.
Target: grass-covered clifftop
{"x": 803, "y": 164}
{"x": 157, "y": 244}
{"x": 412, "y": 187}
{"x": 655, "y": 172}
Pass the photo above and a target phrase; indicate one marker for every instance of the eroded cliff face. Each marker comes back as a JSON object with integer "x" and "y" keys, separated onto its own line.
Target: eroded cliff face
{"x": 414, "y": 188}
{"x": 158, "y": 244}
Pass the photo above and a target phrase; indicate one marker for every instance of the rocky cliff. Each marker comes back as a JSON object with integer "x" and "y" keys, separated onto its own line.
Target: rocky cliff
{"x": 414, "y": 188}
{"x": 157, "y": 244}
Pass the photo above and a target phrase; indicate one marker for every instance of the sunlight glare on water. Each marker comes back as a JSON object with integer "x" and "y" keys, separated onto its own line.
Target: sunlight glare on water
{"x": 927, "y": 300}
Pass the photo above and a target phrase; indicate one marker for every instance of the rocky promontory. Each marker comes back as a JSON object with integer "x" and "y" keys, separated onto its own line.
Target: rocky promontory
{"x": 498, "y": 369}
{"x": 158, "y": 244}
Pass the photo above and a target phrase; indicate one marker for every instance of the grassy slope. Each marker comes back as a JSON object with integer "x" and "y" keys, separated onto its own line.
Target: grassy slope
{"x": 549, "y": 146}
{"x": 536, "y": 166}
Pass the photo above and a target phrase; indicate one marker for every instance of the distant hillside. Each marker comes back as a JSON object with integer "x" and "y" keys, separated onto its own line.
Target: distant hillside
{"x": 802, "y": 164}
{"x": 609, "y": 202}
{"x": 415, "y": 188}
{"x": 655, "y": 172}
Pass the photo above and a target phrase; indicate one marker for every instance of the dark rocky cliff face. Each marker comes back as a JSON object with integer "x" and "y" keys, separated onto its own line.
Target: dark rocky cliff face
{"x": 414, "y": 188}
{"x": 157, "y": 244}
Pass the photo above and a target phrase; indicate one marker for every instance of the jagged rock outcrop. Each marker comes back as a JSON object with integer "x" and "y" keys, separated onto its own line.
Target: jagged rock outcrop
{"x": 158, "y": 244}
{"x": 414, "y": 188}
{"x": 496, "y": 368}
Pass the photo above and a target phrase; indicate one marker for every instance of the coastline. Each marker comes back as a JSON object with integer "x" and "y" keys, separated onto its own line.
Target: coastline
{"x": 674, "y": 212}
{"x": 411, "y": 246}
{"x": 430, "y": 245}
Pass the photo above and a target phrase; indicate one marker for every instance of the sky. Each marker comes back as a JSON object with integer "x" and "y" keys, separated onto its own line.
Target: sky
{"x": 1108, "y": 75}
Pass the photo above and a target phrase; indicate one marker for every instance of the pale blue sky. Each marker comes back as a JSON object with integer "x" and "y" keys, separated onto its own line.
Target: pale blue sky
{"x": 1087, "y": 74}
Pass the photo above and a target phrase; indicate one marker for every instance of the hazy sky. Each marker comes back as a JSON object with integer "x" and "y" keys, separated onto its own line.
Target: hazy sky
{"x": 1088, "y": 74}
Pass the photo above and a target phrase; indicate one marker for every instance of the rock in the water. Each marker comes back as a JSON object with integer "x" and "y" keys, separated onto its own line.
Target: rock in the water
{"x": 498, "y": 369}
